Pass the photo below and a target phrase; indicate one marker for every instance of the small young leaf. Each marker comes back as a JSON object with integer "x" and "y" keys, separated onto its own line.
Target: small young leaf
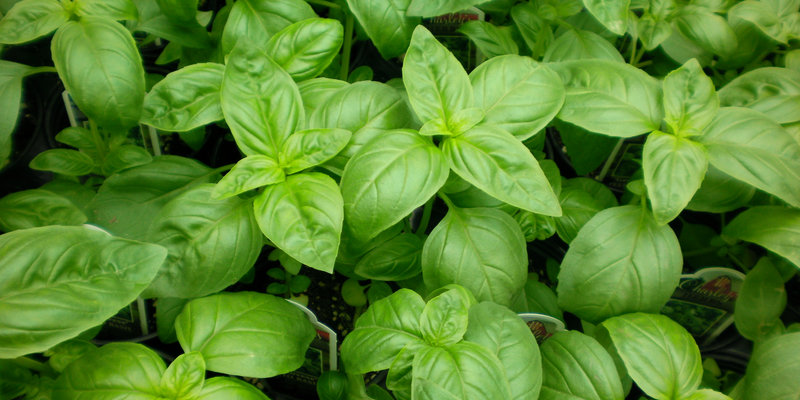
{"x": 535, "y": 31}
{"x": 311, "y": 147}
{"x": 761, "y": 301}
{"x": 775, "y": 228}
{"x": 249, "y": 173}
{"x": 579, "y": 44}
{"x": 581, "y": 199}
{"x": 443, "y": 322}
{"x": 305, "y": 48}
{"x": 124, "y": 157}
{"x": 491, "y": 40}
{"x": 80, "y": 138}
{"x": 690, "y": 101}
{"x": 184, "y": 377}
{"x": 63, "y": 161}
{"x": 353, "y": 293}
{"x": 257, "y": 20}
{"x": 576, "y": 365}
{"x": 31, "y": 19}
{"x": 613, "y": 14}
{"x": 186, "y": 99}
{"x": 386, "y": 23}
{"x": 34, "y": 208}
{"x": 277, "y": 288}
{"x": 300, "y": 284}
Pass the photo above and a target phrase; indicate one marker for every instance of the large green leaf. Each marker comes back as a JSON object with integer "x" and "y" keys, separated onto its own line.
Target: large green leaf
{"x": 245, "y": 333}
{"x": 388, "y": 178}
{"x": 11, "y": 75}
{"x": 497, "y": 163}
{"x": 444, "y": 319}
{"x": 186, "y": 99}
{"x": 260, "y": 101}
{"x": 35, "y": 208}
{"x": 576, "y": 366}
{"x": 660, "y": 355}
{"x": 464, "y": 371}
{"x": 720, "y": 193}
{"x": 257, "y": 20}
{"x": 621, "y": 261}
{"x": 690, "y": 101}
{"x": 59, "y": 281}
{"x": 761, "y": 301}
{"x": 707, "y": 30}
{"x": 224, "y": 388}
{"x": 425, "y": 8}
{"x": 316, "y": 92}
{"x": 304, "y": 49}
{"x": 303, "y": 217}
{"x": 491, "y": 40}
{"x": 517, "y": 94}
{"x": 311, "y": 147}
{"x": 773, "y": 91}
{"x": 211, "y": 243}
{"x": 505, "y": 335}
{"x": 63, "y": 161}
{"x": 749, "y": 146}
{"x": 114, "y": 9}
{"x": 394, "y": 260}
{"x": 613, "y": 14}
{"x": 100, "y": 65}
{"x": 581, "y": 199}
{"x": 179, "y": 10}
{"x": 775, "y": 228}
{"x": 386, "y": 23}
{"x": 610, "y": 97}
{"x": 579, "y": 44}
{"x": 535, "y": 30}
{"x": 481, "y": 249}
{"x": 31, "y": 19}
{"x": 773, "y": 369}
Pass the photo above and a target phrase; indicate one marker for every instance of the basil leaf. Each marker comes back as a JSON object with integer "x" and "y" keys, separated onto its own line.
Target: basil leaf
{"x": 129, "y": 201}
{"x": 586, "y": 150}
{"x": 707, "y": 30}
{"x": 124, "y": 157}
{"x": 80, "y": 138}
{"x": 386, "y": 23}
{"x": 536, "y": 297}
{"x": 59, "y": 281}
{"x": 688, "y": 112}
{"x": 772, "y": 91}
{"x": 481, "y": 249}
{"x": 259, "y": 120}
{"x": 211, "y": 243}
{"x": 184, "y": 377}
{"x": 186, "y": 99}
{"x": 500, "y": 165}
{"x": 34, "y": 208}
{"x": 122, "y": 370}
{"x": 464, "y": 195}
{"x": 443, "y": 321}
{"x": 394, "y": 260}
{"x": 316, "y": 92}
{"x": 517, "y": 94}
{"x": 752, "y": 148}
{"x": 100, "y": 66}
{"x": 621, "y": 261}
{"x": 576, "y": 365}
{"x": 491, "y": 40}
{"x": 613, "y": 14}
{"x": 249, "y": 173}
{"x": 114, "y": 9}
{"x": 305, "y": 48}
{"x": 581, "y": 199}
{"x": 14, "y": 379}
{"x": 772, "y": 227}
{"x": 401, "y": 166}
{"x": 579, "y": 44}
{"x": 76, "y": 193}
{"x": 257, "y": 20}
{"x": 463, "y": 371}
{"x": 188, "y": 34}
{"x": 661, "y": 356}
{"x": 311, "y": 147}
{"x": 388, "y": 325}
{"x": 63, "y": 161}
{"x": 424, "y": 8}
{"x": 761, "y": 301}
{"x": 773, "y": 368}
{"x": 179, "y": 10}
{"x": 436, "y": 83}
{"x": 167, "y": 311}
{"x": 28, "y": 20}
{"x": 653, "y": 30}
{"x": 303, "y": 217}
{"x": 506, "y": 336}
{"x": 609, "y": 97}
{"x": 707, "y": 394}
{"x": 245, "y": 333}
{"x": 535, "y": 31}
{"x": 720, "y": 193}
{"x": 11, "y": 75}
{"x": 674, "y": 168}
{"x": 223, "y": 388}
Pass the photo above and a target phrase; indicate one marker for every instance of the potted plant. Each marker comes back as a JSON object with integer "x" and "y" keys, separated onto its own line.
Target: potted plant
{"x": 595, "y": 157}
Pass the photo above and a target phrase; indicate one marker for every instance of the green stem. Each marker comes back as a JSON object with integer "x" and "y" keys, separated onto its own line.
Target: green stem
{"x": 324, "y": 3}
{"x": 426, "y": 217}
{"x": 347, "y": 46}
{"x": 42, "y": 368}
{"x": 737, "y": 261}
{"x": 223, "y": 168}
{"x": 98, "y": 141}
{"x": 634, "y": 42}
{"x": 39, "y": 70}
{"x": 154, "y": 141}
{"x": 447, "y": 200}
{"x": 610, "y": 160}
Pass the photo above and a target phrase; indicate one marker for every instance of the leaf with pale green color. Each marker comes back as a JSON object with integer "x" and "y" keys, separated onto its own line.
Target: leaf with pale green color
{"x": 579, "y": 44}
{"x": 181, "y": 11}
{"x": 249, "y": 173}
{"x": 763, "y": 16}
{"x": 586, "y": 150}
{"x": 167, "y": 311}
{"x": 773, "y": 227}
{"x": 129, "y": 201}
{"x": 506, "y": 336}
{"x": 436, "y": 83}
{"x": 491, "y": 40}
{"x": 674, "y": 168}
{"x": 257, "y": 21}
{"x": 63, "y": 161}
{"x": 535, "y": 31}
{"x": 394, "y": 260}
{"x": 517, "y": 94}
{"x": 386, "y": 23}
{"x": 464, "y": 195}
{"x": 11, "y": 75}
{"x": 690, "y": 101}
{"x": 36, "y": 207}
{"x": 770, "y": 90}
{"x": 621, "y": 261}
{"x": 305, "y": 48}
{"x": 303, "y": 217}
{"x": 190, "y": 34}
{"x": 464, "y": 371}
{"x": 224, "y": 388}
{"x": 245, "y": 333}
{"x": 576, "y": 366}
{"x": 31, "y": 19}
{"x": 581, "y": 199}
{"x": 186, "y": 99}
{"x": 426, "y": 8}
{"x": 124, "y": 157}
{"x": 761, "y": 301}
{"x": 613, "y": 14}
{"x": 260, "y": 101}
{"x": 99, "y": 63}
{"x": 211, "y": 243}
{"x": 480, "y": 249}
{"x": 660, "y": 355}
{"x": 536, "y": 297}
{"x": 749, "y": 146}
{"x": 707, "y": 394}
{"x": 114, "y": 9}
{"x": 59, "y": 281}
{"x": 609, "y": 97}
{"x": 707, "y": 30}
{"x": 720, "y": 193}
{"x": 117, "y": 370}
{"x": 311, "y": 147}
{"x": 443, "y": 321}
{"x": 388, "y": 178}
{"x": 388, "y": 326}
{"x": 63, "y": 354}
{"x": 184, "y": 377}
{"x": 652, "y": 30}
{"x": 773, "y": 369}
{"x": 316, "y": 92}
{"x": 80, "y": 138}
{"x": 497, "y": 163}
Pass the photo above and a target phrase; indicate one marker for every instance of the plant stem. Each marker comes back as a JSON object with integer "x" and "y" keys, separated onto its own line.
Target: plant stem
{"x": 39, "y": 70}
{"x": 446, "y": 200}
{"x": 607, "y": 165}
{"x": 426, "y": 217}
{"x": 347, "y": 46}
{"x": 324, "y": 3}
{"x": 632, "y": 59}
{"x": 98, "y": 141}
{"x": 154, "y": 141}
{"x": 223, "y": 168}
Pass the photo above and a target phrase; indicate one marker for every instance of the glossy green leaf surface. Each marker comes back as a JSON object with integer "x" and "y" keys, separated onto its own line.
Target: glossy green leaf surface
{"x": 772, "y": 227}
{"x": 772, "y": 91}
{"x": 396, "y": 259}
{"x": 709, "y": 31}
{"x": 37, "y": 207}
{"x": 303, "y": 216}
{"x": 63, "y": 161}
{"x": 257, "y": 20}
{"x": 720, "y": 192}
{"x": 579, "y": 44}
{"x": 622, "y": 261}
{"x": 249, "y": 173}
{"x": 535, "y": 30}
{"x": 424, "y": 8}
{"x": 311, "y": 147}
{"x": 11, "y": 75}
{"x": 653, "y": 30}
{"x": 761, "y": 301}
{"x": 690, "y": 101}
{"x": 773, "y": 368}
{"x": 613, "y": 14}
{"x": 443, "y": 321}
{"x": 464, "y": 371}
{"x": 184, "y": 377}
{"x": 576, "y": 366}
{"x": 660, "y": 355}
{"x": 491, "y": 40}
{"x": 245, "y": 333}
{"x": 167, "y": 311}
{"x": 124, "y": 157}
{"x": 386, "y": 23}
{"x": 223, "y": 388}
{"x": 114, "y": 9}
{"x": 100, "y": 65}
{"x": 189, "y": 34}
{"x": 31, "y": 19}
{"x": 59, "y": 281}
{"x": 186, "y": 99}
{"x": 536, "y": 297}
{"x": 316, "y": 92}
{"x": 305, "y": 48}
{"x": 581, "y": 199}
